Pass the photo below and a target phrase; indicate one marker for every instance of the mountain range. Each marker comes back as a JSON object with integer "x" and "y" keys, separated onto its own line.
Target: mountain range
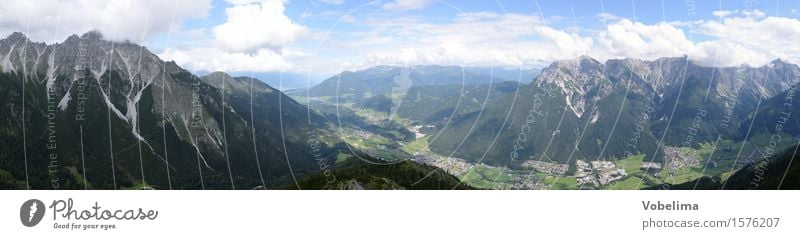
{"x": 646, "y": 104}
{"x": 584, "y": 109}
{"x": 92, "y": 113}
{"x": 602, "y": 107}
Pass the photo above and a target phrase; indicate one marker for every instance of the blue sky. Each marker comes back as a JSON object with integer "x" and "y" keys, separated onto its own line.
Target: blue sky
{"x": 323, "y": 37}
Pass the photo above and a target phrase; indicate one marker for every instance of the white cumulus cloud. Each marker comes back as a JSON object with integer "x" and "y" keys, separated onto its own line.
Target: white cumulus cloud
{"x": 252, "y": 25}
{"x": 629, "y": 39}
{"x": 213, "y": 59}
{"x": 752, "y": 40}
{"x": 484, "y": 38}
{"x": 53, "y": 20}
{"x": 406, "y": 4}
{"x": 471, "y": 39}
{"x": 737, "y": 38}
{"x": 722, "y": 13}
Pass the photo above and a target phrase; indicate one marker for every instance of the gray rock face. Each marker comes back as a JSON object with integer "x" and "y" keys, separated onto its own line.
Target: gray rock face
{"x": 239, "y": 131}
{"x": 577, "y": 78}
{"x": 63, "y": 64}
{"x": 581, "y": 80}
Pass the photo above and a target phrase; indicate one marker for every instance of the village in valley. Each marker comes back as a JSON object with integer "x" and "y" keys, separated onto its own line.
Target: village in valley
{"x": 679, "y": 164}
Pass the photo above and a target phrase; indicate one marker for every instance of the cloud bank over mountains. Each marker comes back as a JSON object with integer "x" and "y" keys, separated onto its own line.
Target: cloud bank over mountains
{"x": 270, "y": 35}
{"x": 133, "y": 20}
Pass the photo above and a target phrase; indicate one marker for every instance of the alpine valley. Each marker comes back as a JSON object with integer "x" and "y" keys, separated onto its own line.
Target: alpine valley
{"x": 88, "y": 113}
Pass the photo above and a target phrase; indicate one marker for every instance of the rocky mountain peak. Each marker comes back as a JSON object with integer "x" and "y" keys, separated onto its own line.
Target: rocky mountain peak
{"x": 125, "y": 95}
{"x": 583, "y": 79}
{"x": 576, "y": 78}
{"x": 95, "y": 35}
{"x": 218, "y": 75}
{"x": 17, "y": 37}
{"x": 61, "y": 65}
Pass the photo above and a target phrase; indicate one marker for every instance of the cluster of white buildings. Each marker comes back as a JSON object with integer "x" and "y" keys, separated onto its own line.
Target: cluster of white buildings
{"x": 677, "y": 159}
{"x": 417, "y": 129}
{"x": 454, "y": 166}
{"x": 597, "y": 172}
{"x": 546, "y": 167}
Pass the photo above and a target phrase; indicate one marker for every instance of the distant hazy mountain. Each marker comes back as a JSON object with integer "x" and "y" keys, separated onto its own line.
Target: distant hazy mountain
{"x": 507, "y": 74}
{"x": 282, "y": 81}
{"x": 394, "y": 81}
